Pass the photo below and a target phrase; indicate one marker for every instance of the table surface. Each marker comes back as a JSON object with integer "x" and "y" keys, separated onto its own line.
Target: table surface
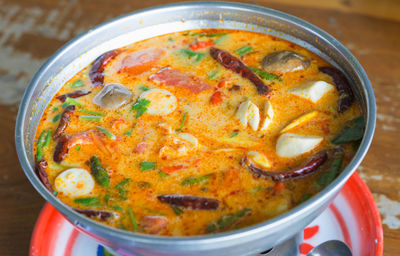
{"x": 32, "y": 30}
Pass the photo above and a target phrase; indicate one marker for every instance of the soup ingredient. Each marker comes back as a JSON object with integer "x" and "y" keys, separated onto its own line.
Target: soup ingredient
{"x": 226, "y": 221}
{"x": 96, "y": 71}
{"x": 91, "y": 112}
{"x": 312, "y": 90}
{"x": 346, "y": 96}
{"x": 291, "y": 145}
{"x": 182, "y": 122}
{"x": 329, "y": 175}
{"x": 67, "y": 141}
{"x": 353, "y": 131}
{"x": 112, "y": 96}
{"x": 145, "y": 166}
{"x": 65, "y": 119}
{"x": 216, "y": 98}
{"x": 257, "y": 159}
{"x": 249, "y": 113}
{"x": 98, "y": 171}
{"x": 90, "y": 118}
{"x": 194, "y": 180}
{"x": 162, "y": 102}
{"x": 88, "y": 201}
{"x": 179, "y": 145}
{"x": 309, "y": 168}
{"x": 243, "y": 50}
{"x": 43, "y": 143}
{"x": 189, "y": 137}
{"x": 141, "y": 107}
{"x": 77, "y": 84}
{"x": 75, "y": 94}
{"x": 201, "y": 45}
{"x": 101, "y": 215}
{"x": 41, "y": 167}
{"x": 190, "y": 202}
{"x": 177, "y": 78}
{"x": 300, "y": 121}
{"x": 106, "y": 132}
{"x": 132, "y": 219}
{"x": 197, "y": 56}
{"x": 74, "y": 182}
{"x": 284, "y": 61}
{"x": 232, "y": 63}
{"x": 265, "y": 75}
{"x": 141, "y": 61}
{"x": 153, "y": 224}
{"x": 269, "y": 115}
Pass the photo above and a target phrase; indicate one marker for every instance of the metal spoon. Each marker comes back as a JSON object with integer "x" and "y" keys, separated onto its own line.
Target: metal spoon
{"x": 331, "y": 248}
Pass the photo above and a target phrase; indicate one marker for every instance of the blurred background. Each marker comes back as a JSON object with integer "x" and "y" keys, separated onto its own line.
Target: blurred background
{"x": 32, "y": 30}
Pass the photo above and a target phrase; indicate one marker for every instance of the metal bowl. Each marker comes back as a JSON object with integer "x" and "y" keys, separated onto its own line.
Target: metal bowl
{"x": 151, "y": 22}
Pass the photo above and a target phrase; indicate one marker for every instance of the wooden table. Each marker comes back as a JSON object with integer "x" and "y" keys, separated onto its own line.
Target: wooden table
{"x": 32, "y": 30}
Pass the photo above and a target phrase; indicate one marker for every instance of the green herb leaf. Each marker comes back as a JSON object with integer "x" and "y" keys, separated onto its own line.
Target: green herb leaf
{"x": 233, "y": 134}
{"x": 116, "y": 207}
{"x": 55, "y": 193}
{"x": 54, "y": 109}
{"x": 73, "y": 102}
{"x": 194, "y": 180}
{"x": 226, "y": 221}
{"x": 132, "y": 219}
{"x": 128, "y": 133}
{"x": 182, "y": 123}
{"x": 99, "y": 173}
{"x": 65, "y": 104}
{"x": 77, "y": 84}
{"x": 353, "y": 131}
{"x": 191, "y": 54}
{"x": 56, "y": 118}
{"x": 163, "y": 175}
{"x": 90, "y": 118}
{"x": 329, "y": 175}
{"x": 123, "y": 183}
{"x": 88, "y": 201}
{"x": 144, "y": 166}
{"x": 48, "y": 139}
{"x": 141, "y": 107}
{"x": 143, "y": 88}
{"x": 243, "y": 50}
{"x": 178, "y": 211}
{"x": 78, "y": 148}
{"x": 91, "y": 112}
{"x": 265, "y": 75}
{"x": 106, "y": 132}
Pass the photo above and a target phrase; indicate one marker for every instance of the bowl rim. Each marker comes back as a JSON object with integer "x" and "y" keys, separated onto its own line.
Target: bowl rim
{"x": 329, "y": 191}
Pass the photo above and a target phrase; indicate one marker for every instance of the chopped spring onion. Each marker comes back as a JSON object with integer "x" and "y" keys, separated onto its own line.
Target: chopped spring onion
{"x": 197, "y": 55}
{"x": 144, "y": 166}
{"x": 194, "y": 180}
{"x": 233, "y": 134}
{"x": 123, "y": 183}
{"x": 73, "y": 102}
{"x": 77, "y": 84}
{"x": 91, "y": 112}
{"x": 90, "y": 118}
{"x": 243, "y": 50}
{"x": 98, "y": 171}
{"x": 78, "y": 148}
{"x": 178, "y": 211}
{"x": 132, "y": 219}
{"x": 182, "y": 123}
{"x": 213, "y": 75}
{"x": 162, "y": 174}
{"x": 143, "y": 88}
{"x": 106, "y": 132}
{"x": 221, "y": 38}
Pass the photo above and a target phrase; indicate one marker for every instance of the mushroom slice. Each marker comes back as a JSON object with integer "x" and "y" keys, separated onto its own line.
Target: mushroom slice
{"x": 312, "y": 90}
{"x": 300, "y": 120}
{"x": 248, "y": 113}
{"x": 74, "y": 182}
{"x": 291, "y": 145}
{"x": 112, "y": 96}
{"x": 257, "y": 159}
{"x": 269, "y": 114}
{"x": 162, "y": 102}
{"x": 284, "y": 61}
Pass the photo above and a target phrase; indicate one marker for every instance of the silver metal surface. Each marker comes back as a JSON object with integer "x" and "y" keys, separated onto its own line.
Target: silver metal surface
{"x": 331, "y": 248}
{"x": 151, "y": 22}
